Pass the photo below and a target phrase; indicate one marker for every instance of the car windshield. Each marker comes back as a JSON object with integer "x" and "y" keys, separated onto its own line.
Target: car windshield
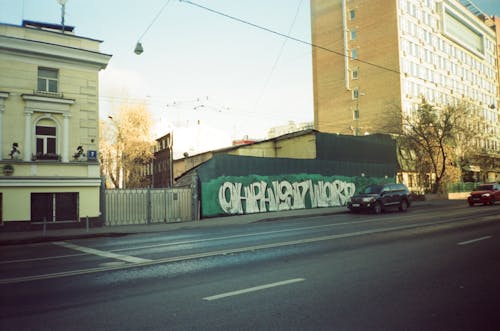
{"x": 372, "y": 189}
{"x": 484, "y": 188}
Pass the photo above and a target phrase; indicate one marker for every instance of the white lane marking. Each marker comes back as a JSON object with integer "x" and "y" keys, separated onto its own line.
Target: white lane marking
{"x": 190, "y": 242}
{"x": 111, "y": 255}
{"x": 195, "y": 241}
{"x": 473, "y": 240}
{"x": 246, "y": 235}
{"x": 253, "y": 289}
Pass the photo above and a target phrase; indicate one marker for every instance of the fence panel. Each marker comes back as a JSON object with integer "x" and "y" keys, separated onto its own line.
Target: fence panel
{"x": 144, "y": 206}
{"x": 460, "y": 187}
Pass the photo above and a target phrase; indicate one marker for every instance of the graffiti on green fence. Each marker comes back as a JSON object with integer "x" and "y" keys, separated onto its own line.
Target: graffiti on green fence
{"x": 256, "y": 194}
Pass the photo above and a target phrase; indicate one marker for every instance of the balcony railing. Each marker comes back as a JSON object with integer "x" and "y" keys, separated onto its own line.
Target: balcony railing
{"x": 46, "y": 157}
{"x": 59, "y": 95}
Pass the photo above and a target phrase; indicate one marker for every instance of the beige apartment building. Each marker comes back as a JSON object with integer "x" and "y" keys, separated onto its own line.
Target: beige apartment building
{"x": 49, "y": 169}
{"x": 379, "y": 54}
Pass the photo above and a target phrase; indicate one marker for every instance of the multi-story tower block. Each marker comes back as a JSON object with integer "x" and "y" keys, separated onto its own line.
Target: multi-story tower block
{"x": 391, "y": 53}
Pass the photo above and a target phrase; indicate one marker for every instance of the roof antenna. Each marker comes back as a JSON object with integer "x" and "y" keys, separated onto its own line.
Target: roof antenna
{"x": 63, "y": 12}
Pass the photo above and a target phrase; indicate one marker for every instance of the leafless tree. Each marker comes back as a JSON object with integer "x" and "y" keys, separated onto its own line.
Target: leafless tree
{"x": 439, "y": 140}
{"x": 126, "y": 147}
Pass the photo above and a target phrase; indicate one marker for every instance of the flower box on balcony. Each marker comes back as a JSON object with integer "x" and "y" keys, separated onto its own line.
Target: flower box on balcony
{"x": 48, "y": 156}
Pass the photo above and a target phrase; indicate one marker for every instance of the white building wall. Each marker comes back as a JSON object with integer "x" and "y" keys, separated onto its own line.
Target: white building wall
{"x": 437, "y": 65}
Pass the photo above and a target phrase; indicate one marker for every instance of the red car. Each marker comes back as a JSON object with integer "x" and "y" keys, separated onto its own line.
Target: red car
{"x": 487, "y": 194}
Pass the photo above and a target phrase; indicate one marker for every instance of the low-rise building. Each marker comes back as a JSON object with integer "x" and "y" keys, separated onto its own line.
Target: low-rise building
{"x": 48, "y": 124}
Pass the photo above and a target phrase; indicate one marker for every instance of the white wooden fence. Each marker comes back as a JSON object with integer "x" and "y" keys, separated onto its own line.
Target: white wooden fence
{"x": 147, "y": 206}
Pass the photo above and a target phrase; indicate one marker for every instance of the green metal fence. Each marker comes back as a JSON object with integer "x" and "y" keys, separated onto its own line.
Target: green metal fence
{"x": 460, "y": 187}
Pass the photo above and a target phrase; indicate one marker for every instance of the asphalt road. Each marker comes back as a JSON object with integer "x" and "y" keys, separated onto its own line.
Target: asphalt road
{"x": 433, "y": 268}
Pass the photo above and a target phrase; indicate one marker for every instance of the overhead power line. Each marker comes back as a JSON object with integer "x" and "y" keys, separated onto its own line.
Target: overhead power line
{"x": 154, "y": 19}
{"x": 289, "y": 37}
{"x": 278, "y": 57}
{"x": 138, "y": 47}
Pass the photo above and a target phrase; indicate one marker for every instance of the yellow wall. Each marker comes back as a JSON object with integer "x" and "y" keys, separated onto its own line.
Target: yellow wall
{"x": 78, "y": 62}
{"x": 19, "y": 76}
{"x": 299, "y": 147}
{"x": 17, "y": 201}
{"x": 261, "y": 149}
{"x": 52, "y": 169}
{"x": 377, "y": 42}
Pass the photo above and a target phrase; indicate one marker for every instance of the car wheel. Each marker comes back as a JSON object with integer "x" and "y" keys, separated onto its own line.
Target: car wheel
{"x": 403, "y": 205}
{"x": 377, "y": 208}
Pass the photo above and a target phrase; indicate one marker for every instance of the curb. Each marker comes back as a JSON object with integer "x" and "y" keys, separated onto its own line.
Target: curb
{"x": 39, "y": 238}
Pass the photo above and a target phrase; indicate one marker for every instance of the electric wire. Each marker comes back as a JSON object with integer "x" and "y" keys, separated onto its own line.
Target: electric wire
{"x": 154, "y": 19}
{"x": 289, "y": 37}
{"x": 278, "y": 57}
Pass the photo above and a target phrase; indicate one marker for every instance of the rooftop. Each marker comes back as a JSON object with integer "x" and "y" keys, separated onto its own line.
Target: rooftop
{"x": 48, "y": 26}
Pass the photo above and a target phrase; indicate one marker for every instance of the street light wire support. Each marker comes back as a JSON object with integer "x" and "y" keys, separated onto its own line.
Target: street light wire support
{"x": 289, "y": 37}
{"x": 154, "y": 19}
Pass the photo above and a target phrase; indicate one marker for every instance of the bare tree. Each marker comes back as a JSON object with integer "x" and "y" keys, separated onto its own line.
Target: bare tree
{"x": 108, "y": 155}
{"x": 440, "y": 139}
{"x": 126, "y": 147}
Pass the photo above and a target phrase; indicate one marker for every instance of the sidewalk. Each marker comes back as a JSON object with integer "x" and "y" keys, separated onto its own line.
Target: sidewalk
{"x": 27, "y": 237}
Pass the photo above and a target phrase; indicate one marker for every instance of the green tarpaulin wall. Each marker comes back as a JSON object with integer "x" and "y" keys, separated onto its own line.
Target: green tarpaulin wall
{"x": 241, "y": 184}
{"x": 378, "y": 148}
{"x": 232, "y": 165}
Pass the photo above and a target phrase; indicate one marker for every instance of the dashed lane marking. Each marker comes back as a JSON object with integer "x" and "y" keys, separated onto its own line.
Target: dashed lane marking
{"x": 253, "y": 289}
{"x": 472, "y": 241}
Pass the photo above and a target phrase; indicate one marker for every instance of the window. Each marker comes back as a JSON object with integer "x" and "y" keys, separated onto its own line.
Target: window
{"x": 354, "y": 54}
{"x": 355, "y": 73}
{"x": 355, "y": 114}
{"x": 46, "y": 142}
{"x": 463, "y": 32}
{"x": 355, "y": 93}
{"x": 354, "y": 34}
{"x": 47, "y": 80}
{"x": 352, "y": 14}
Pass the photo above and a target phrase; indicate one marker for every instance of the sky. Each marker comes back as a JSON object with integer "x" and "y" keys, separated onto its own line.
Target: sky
{"x": 208, "y": 78}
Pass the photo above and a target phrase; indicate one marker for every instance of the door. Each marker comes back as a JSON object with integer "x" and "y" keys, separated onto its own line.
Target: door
{"x": 52, "y": 207}
{"x": 42, "y": 207}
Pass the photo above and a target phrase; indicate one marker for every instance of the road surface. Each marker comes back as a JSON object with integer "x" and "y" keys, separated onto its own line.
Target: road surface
{"x": 431, "y": 268}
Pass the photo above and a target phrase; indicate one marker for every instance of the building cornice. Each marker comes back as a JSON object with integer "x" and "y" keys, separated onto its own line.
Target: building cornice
{"x": 39, "y": 98}
{"x": 49, "y": 182}
{"x": 34, "y": 48}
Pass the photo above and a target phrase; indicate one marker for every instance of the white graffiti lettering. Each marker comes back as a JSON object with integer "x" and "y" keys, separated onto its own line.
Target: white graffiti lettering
{"x": 258, "y": 197}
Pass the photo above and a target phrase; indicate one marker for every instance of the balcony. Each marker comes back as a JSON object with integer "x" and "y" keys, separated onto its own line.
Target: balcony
{"x": 58, "y": 95}
{"x": 46, "y": 157}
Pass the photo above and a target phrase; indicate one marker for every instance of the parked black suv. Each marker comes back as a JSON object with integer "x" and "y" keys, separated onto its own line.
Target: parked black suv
{"x": 380, "y": 197}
